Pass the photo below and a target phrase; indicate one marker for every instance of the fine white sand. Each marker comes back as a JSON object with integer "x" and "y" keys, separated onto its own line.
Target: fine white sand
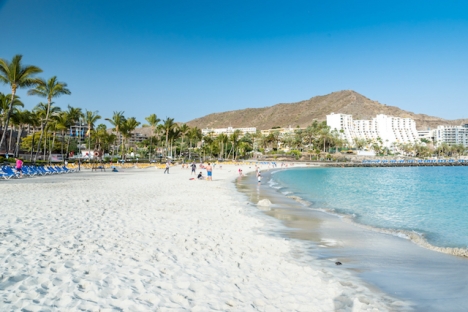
{"x": 140, "y": 240}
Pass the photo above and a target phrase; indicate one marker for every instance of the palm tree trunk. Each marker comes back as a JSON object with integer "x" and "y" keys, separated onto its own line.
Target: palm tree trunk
{"x": 151, "y": 146}
{"x": 89, "y": 141}
{"x": 122, "y": 149}
{"x": 229, "y": 154}
{"x": 190, "y": 150}
{"x": 43, "y": 127}
{"x": 63, "y": 142}
{"x": 32, "y": 145}
{"x": 68, "y": 144}
{"x": 52, "y": 147}
{"x": 13, "y": 92}
{"x": 45, "y": 144}
{"x": 39, "y": 142}
{"x": 10, "y": 139}
{"x": 167, "y": 137}
{"x": 20, "y": 131}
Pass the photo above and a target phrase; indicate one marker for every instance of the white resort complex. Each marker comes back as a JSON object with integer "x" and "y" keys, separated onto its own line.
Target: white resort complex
{"x": 391, "y": 130}
{"x": 228, "y": 130}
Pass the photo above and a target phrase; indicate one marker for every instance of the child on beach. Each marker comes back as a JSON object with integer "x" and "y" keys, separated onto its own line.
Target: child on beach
{"x": 259, "y": 178}
{"x": 200, "y": 176}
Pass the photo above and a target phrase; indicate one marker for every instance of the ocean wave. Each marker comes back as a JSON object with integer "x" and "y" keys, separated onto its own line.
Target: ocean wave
{"x": 414, "y": 236}
{"x": 300, "y": 200}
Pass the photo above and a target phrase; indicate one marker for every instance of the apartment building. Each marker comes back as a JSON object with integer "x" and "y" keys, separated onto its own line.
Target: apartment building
{"x": 452, "y": 135}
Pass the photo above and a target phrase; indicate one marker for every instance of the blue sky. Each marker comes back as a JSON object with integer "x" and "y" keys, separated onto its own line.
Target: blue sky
{"x": 186, "y": 59}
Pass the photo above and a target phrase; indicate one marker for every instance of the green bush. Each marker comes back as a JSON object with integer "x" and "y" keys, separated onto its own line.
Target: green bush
{"x": 297, "y": 154}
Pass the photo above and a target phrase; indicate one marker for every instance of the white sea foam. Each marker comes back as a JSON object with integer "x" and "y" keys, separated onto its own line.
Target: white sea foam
{"x": 415, "y": 237}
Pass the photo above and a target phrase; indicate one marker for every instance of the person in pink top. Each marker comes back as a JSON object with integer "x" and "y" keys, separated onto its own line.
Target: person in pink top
{"x": 19, "y": 166}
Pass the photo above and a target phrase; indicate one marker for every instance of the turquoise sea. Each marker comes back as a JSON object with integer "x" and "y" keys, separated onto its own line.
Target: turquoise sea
{"x": 429, "y": 201}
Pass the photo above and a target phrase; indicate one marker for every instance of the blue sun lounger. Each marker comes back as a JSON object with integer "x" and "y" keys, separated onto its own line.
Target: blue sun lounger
{"x": 8, "y": 173}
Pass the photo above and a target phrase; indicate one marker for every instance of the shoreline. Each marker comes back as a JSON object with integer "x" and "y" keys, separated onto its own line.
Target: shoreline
{"x": 139, "y": 240}
{"x": 417, "y": 238}
{"x": 359, "y": 247}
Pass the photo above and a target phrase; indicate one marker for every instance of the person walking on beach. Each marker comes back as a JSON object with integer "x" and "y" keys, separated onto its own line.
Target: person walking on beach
{"x": 19, "y": 167}
{"x": 167, "y": 167}
{"x": 209, "y": 172}
{"x": 194, "y": 167}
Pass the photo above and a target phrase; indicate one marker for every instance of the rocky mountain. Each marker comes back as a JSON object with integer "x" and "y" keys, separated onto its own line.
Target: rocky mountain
{"x": 303, "y": 113}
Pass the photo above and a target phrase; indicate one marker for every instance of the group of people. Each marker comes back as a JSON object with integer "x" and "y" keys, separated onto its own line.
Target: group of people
{"x": 193, "y": 166}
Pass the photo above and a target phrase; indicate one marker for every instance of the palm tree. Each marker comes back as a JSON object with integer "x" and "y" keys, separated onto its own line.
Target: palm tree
{"x": 5, "y": 109}
{"x": 153, "y": 121}
{"x": 54, "y": 126}
{"x": 22, "y": 119}
{"x": 168, "y": 125}
{"x": 5, "y": 106}
{"x": 118, "y": 119}
{"x": 62, "y": 123}
{"x": 222, "y": 139}
{"x": 183, "y": 131}
{"x": 41, "y": 110}
{"x": 73, "y": 116}
{"x": 33, "y": 122}
{"x": 17, "y": 76}
{"x": 128, "y": 127}
{"x": 173, "y": 136}
{"x": 49, "y": 89}
{"x": 90, "y": 119}
{"x": 234, "y": 140}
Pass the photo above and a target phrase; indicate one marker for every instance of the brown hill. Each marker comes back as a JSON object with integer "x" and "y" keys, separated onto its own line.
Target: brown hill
{"x": 303, "y": 113}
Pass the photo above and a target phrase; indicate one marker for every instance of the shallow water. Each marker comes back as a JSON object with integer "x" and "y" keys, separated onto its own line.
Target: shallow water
{"x": 431, "y": 281}
{"x": 432, "y": 201}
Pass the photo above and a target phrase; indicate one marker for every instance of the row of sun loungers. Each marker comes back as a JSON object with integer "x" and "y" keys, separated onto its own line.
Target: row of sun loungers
{"x": 411, "y": 161}
{"x": 7, "y": 172}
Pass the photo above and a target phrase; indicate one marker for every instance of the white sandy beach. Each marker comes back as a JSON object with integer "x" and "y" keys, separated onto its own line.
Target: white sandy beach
{"x": 140, "y": 240}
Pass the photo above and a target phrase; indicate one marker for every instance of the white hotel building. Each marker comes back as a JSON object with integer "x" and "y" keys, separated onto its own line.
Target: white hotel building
{"x": 389, "y": 129}
{"x": 452, "y": 135}
{"x": 229, "y": 130}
